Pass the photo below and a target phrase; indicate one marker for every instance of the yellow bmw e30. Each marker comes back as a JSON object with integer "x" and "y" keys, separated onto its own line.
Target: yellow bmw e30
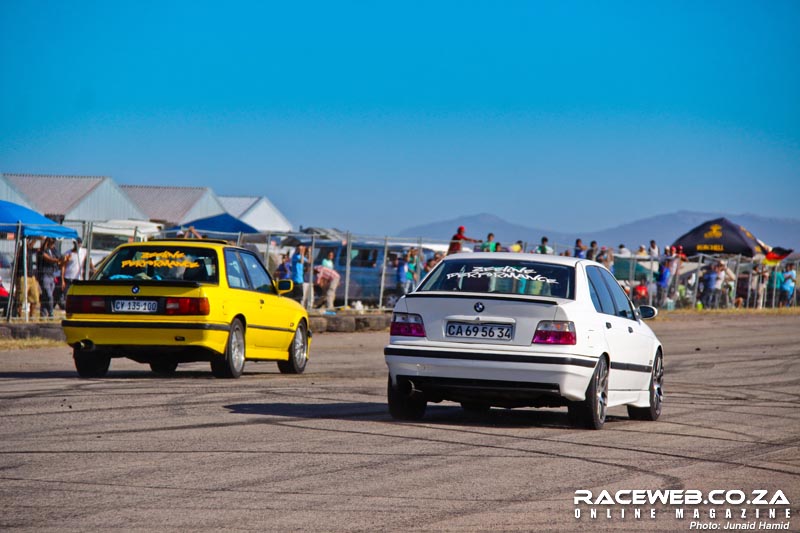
{"x": 166, "y": 302}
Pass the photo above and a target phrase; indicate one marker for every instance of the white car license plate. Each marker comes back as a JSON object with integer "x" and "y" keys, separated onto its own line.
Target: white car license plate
{"x": 466, "y": 330}
{"x": 135, "y": 306}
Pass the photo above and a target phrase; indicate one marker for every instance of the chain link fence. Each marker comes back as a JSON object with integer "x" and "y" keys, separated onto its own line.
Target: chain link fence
{"x": 374, "y": 271}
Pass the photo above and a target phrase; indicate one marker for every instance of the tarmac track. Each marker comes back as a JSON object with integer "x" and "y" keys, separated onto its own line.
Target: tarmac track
{"x": 318, "y": 452}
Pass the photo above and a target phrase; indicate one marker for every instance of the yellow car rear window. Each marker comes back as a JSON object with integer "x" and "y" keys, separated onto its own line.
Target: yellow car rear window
{"x": 172, "y": 263}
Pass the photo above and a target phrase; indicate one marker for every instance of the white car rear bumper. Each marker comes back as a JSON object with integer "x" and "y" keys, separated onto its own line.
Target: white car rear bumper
{"x": 564, "y": 375}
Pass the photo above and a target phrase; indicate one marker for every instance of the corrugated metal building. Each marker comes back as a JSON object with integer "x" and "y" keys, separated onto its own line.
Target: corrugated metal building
{"x": 86, "y": 198}
{"x": 9, "y": 193}
{"x": 257, "y": 211}
{"x": 174, "y": 206}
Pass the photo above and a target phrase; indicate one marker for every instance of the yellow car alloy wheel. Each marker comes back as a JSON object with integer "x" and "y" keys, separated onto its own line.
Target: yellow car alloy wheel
{"x": 232, "y": 364}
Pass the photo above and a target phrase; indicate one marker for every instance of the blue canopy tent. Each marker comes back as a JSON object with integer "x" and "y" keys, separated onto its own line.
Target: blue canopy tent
{"x": 15, "y": 218}
{"x": 24, "y": 222}
{"x": 224, "y": 224}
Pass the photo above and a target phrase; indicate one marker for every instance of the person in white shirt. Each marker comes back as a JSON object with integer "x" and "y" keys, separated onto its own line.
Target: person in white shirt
{"x": 653, "y": 250}
{"x": 73, "y": 265}
{"x": 544, "y": 248}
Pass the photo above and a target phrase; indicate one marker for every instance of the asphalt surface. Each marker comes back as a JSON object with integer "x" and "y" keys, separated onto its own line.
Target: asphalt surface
{"x": 319, "y": 452}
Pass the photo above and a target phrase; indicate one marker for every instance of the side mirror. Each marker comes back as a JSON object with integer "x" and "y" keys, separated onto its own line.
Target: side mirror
{"x": 647, "y": 312}
{"x": 285, "y": 286}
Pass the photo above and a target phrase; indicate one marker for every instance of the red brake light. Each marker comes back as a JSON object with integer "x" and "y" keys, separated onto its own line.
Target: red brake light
{"x": 187, "y": 306}
{"x": 555, "y": 332}
{"x": 407, "y": 325}
{"x": 85, "y": 304}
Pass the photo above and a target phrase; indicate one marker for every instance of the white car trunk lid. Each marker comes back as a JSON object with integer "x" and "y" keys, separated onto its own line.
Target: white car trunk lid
{"x": 442, "y": 315}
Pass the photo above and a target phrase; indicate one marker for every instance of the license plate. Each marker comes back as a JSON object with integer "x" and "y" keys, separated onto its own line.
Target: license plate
{"x": 466, "y": 330}
{"x": 135, "y": 306}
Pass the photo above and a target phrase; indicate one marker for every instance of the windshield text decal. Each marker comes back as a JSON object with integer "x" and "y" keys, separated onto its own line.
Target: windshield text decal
{"x": 506, "y": 272}
{"x": 161, "y": 259}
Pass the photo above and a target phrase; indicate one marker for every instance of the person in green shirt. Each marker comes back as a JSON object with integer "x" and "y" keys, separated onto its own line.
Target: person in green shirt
{"x": 412, "y": 274}
{"x": 489, "y": 245}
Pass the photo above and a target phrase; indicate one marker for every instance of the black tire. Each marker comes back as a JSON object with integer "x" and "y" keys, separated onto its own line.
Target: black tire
{"x": 298, "y": 352}
{"x": 475, "y": 407}
{"x": 405, "y": 404}
{"x": 164, "y": 368}
{"x": 390, "y": 299}
{"x": 90, "y": 365}
{"x": 231, "y": 365}
{"x": 652, "y": 412}
{"x": 591, "y": 412}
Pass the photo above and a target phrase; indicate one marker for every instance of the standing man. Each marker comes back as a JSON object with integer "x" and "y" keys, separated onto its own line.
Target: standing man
{"x": 284, "y": 270}
{"x": 543, "y": 247}
{"x": 593, "y": 251}
{"x": 49, "y": 262}
{"x": 653, "y": 251}
{"x": 455, "y": 241}
{"x": 401, "y": 273}
{"x": 580, "y": 249}
{"x": 787, "y": 287}
{"x": 412, "y": 272}
{"x": 299, "y": 261}
{"x": 73, "y": 264}
{"x": 758, "y": 280}
{"x": 27, "y": 290}
{"x": 327, "y": 279}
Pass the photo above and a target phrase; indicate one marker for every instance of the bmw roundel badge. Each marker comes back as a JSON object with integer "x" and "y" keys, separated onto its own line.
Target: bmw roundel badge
{"x": 135, "y": 289}
{"x": 479, "y": 307}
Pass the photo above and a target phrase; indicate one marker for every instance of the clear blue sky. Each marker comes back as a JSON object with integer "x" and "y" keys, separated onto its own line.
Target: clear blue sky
{"x": 562, "y": 115}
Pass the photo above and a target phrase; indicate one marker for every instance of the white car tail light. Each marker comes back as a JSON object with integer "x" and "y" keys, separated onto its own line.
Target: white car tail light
{"x": 407, "y": 325}
{"x": 555, "y": 332}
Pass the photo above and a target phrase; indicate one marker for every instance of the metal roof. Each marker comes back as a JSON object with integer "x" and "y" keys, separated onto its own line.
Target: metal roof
{"x": 238, "y": 205}
{"x": 54, "y": 195}
{"x": 257, "y": 211}
{"x": 165, "y": 203}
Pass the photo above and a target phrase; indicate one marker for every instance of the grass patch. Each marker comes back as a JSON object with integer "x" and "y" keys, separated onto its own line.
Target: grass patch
{"x": 33, "y": 342}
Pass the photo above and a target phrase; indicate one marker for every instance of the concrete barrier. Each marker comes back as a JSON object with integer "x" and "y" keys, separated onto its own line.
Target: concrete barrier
{"x": 318, "y": 324}
{"x": 47, "y": 330}
{"x": 371, "y": 323}
{"x": 342, "y": 324}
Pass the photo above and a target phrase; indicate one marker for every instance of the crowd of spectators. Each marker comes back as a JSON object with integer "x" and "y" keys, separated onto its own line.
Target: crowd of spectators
{"x": 50, "y": 273}
{"x": 715, "y": 284}
{"x": 45, "y": 275}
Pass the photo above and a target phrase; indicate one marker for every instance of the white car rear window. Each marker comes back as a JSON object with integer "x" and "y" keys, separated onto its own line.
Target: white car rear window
{"x": 530, "y": 278}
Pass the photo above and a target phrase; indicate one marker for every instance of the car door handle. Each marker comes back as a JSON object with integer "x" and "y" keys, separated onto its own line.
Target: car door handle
{"x": 630, "y": 329}
{"x": 608, "y": 325}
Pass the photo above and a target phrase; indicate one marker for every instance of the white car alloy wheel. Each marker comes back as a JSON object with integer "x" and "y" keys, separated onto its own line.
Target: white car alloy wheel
{"x": 653, "y": 411}
{"x": 591, "y": 412}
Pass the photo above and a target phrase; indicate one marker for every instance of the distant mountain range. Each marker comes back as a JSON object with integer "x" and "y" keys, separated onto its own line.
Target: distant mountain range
{"x": 665, "y": 229}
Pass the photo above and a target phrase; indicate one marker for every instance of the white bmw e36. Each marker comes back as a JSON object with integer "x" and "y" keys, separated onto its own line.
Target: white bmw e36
{"x": 521, "y": 330}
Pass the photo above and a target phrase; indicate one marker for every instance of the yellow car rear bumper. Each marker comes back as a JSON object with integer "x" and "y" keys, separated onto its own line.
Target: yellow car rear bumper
{"x": 99, "y": 333}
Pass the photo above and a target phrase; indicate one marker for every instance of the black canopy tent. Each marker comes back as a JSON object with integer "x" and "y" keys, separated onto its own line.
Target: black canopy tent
{"x": 719, "y": 236}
